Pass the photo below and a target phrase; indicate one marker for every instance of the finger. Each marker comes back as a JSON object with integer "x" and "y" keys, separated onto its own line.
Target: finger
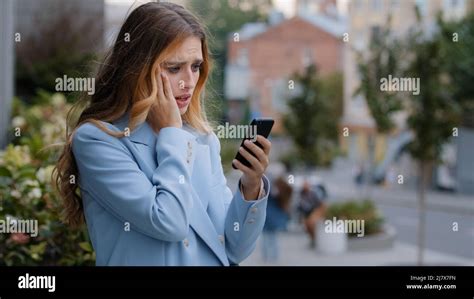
{"x": 161, "y": 94}
{"x": 167, "y": 88}
{"x": 267, "y": 145}
{"x": 242, "y": 167}
{"x": 261, "y": 156}
{"x": 256, "y": 165}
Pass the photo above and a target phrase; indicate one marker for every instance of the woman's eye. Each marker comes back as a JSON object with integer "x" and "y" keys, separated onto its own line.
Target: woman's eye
{"x": 173, "y": 70}
{"x": 196, "y": 67}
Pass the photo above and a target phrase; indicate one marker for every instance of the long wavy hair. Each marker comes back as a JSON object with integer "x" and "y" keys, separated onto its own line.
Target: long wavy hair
{"x": 126, "y": 83}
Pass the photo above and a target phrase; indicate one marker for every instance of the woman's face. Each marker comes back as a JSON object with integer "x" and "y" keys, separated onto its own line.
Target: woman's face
{"x": 182, "y": 69}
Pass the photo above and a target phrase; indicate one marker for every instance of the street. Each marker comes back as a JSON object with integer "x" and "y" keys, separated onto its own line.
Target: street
{"x": 439, "y": 229}
{"x": 449, "y": 235}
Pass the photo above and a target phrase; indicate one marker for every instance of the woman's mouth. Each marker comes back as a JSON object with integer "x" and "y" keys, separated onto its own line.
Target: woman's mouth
{"x": 183, "y": 100}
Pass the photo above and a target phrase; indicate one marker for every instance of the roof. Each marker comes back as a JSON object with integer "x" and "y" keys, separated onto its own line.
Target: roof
{"x": 333, "y": 26}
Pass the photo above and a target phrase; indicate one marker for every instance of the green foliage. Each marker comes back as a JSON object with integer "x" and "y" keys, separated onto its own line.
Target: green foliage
{"x": 382, "y": 60}
{"x": 41, "y": 75}
{"x": 229, "y": 149}
{"x": 438, "y": 63}
{"x": 434, "y": 112}
{"x": 61, "y": 43}
{"x": 26, "y": 191}
{"x": 357, "y": 210}
{"x": 312, "y": 118}
{"x": 457, "y": 48}
{"x": 40, "y": 126}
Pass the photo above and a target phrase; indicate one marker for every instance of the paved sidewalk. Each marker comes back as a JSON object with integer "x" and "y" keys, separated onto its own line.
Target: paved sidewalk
{"x": 294, "y": 251}
{"x": 340, "y": 184}
{"x": 399, "y": 197}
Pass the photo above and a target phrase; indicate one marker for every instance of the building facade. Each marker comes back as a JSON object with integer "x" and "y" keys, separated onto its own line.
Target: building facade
{"x": 263, "y": 59}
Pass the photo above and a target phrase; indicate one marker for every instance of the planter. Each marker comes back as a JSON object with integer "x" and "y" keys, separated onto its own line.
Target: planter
{"x": 382, "y": 240}
{"x": 332, "y": 243}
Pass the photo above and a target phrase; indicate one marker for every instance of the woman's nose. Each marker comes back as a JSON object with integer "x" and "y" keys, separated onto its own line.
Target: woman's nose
{"x": 187, "y": 81}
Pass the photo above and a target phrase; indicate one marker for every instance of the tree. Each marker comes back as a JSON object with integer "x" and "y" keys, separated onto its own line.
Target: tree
{"x": 433, "y": 113}
{"x": 382, "y": 60}
{"x": 457, "y": 47}
{"x": 311, "y": 121}
{"x": 65, "y": 39}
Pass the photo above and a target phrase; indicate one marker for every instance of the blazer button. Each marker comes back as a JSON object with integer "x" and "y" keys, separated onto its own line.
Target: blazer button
{"x": 251, "y": 221}
{"x": 254, "y": 210}
{"x": 221, "y": 238}
{"x": 186, "y": 242}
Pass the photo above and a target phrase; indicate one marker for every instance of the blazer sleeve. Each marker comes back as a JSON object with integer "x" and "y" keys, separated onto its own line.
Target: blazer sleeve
{"x": 107, "y": 170}
{"x": 244, "y": 218}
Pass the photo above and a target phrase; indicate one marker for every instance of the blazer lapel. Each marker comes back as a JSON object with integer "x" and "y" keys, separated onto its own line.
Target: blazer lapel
{"x": 200, "y": 221}
{"x": 199, "y": 218}
{"x": 205, "y": 229}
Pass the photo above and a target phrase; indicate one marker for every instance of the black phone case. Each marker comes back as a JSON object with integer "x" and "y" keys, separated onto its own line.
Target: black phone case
{"x": 264, "y": 127}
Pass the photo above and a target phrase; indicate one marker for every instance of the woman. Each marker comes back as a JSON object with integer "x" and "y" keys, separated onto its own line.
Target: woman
{"x": 278, "y": 215}
{"x": 151, "y": 183}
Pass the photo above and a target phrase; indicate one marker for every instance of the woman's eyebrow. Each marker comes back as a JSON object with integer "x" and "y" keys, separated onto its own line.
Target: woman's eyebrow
{"x": 180, "y": 63}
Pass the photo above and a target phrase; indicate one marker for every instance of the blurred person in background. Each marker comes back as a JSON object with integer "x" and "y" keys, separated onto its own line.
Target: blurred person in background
{"x": 358, "y": 173}
{"x": 278, "y": 215}
{"x": 312, "y": 208}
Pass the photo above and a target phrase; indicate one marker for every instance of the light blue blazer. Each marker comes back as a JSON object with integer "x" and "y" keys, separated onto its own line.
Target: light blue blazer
{"x": 162, "y": 199}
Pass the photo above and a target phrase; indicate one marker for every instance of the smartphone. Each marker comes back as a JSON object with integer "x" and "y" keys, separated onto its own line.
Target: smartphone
{"x": 263, "y": 127}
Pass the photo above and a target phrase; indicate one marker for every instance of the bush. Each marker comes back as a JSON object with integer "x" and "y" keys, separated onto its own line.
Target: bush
{"x": 62, "y": 38}
{"x": 229, "y": 149}
{"x": 358, "y": 210}
{"x": 26, "y": 192}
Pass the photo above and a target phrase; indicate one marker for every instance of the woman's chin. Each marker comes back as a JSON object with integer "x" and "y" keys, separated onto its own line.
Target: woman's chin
{"x": 183, "y": 110}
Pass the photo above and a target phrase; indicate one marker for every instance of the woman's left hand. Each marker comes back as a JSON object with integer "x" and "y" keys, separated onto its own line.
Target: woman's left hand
{"x": 252, "y": 176}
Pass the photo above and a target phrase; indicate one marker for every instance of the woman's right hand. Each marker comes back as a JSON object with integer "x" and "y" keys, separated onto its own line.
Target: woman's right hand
{"x": 165, "y": 112}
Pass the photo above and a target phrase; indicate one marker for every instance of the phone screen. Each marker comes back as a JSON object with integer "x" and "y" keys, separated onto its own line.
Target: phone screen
{"x": 262, "y": 126}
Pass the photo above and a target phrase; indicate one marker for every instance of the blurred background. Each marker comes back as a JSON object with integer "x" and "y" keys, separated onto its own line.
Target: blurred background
{"x": 343, "y": 146}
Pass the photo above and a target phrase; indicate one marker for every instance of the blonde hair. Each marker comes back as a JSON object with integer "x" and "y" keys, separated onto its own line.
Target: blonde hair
{"x": 126, "y": 82}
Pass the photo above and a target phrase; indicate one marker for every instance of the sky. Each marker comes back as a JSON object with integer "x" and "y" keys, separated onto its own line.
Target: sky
{"x": 286, "y": 6}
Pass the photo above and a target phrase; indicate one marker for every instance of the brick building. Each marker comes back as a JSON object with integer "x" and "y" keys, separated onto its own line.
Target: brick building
{"x": 262, "y": 59}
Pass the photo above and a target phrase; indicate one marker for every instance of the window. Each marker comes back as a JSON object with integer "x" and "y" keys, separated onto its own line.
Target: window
{"x": 375, "y": 32}
{"x": 243, "y": 57}
{"x": 377, "y": 5}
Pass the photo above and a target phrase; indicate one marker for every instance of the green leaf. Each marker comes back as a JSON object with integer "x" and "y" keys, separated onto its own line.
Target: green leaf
{"x": 5, "y": 172}
{"x": 39, "y": 248}
{"x": 27, "y": 172}
{"x": 86, "y": 246}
